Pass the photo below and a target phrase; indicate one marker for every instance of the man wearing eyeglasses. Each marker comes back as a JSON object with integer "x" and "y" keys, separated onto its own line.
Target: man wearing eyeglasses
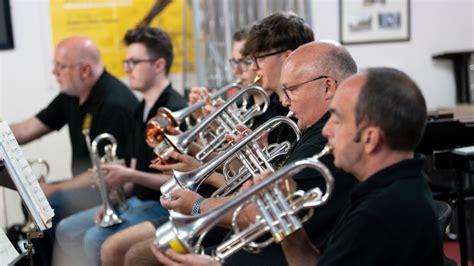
{"x": 241, "y": 66}
{"x": 148, "y": 63}
{"x": 89, "y": 98}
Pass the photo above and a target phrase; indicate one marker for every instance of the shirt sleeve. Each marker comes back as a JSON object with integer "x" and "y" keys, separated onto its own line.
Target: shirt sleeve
{"x": 53, "y": 116}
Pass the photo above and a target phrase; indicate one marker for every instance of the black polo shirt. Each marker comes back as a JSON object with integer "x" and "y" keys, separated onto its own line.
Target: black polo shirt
{"x": 170, "y": 99}
{"x": 275, "y": 108}
{"x": 109, "y": 108}
{"x": 389, "y": 220}
{"x": 321, "y": 223}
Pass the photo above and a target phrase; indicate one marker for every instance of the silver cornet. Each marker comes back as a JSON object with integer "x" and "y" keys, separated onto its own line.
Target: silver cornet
{"x": 157, "y": 125}
{"x": 277, "y": 214}
{"x": 226, "y": 116}
{"x": 254, "y": 158}
{"x": 109, "y": 217}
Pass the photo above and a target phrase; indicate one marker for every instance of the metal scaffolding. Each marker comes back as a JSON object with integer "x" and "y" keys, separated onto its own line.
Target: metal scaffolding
{"x": 214, "y": 22}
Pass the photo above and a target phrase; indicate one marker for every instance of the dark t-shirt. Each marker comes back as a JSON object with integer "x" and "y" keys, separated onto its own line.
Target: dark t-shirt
{"x": 109, "y": 109}
{"x": 144, "y": 153}
{"x": 283, "y": 132}
{"x": 390, "y": 219}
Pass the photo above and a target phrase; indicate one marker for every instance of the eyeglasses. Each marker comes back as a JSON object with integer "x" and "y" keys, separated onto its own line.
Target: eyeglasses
{"x": 255, "y": 58}
{"x": 61, "y": 66}
{"x": 131, "y": 63}
{"x": 294, "y": 87}
{"x": 242, "y": 63}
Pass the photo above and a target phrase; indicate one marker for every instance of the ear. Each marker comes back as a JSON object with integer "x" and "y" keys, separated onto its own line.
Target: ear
{"x": 285, "y": 54}
{"x": 372, "y": 139}
{"x": 160, "y": 65}
{"x": 330, "y": 87}
{"x": 86, "y": 70}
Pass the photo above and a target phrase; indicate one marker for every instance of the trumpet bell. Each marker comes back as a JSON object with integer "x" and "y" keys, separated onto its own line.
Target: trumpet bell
{"x": 110, "y": 218}
{"x": 158, "y": 125}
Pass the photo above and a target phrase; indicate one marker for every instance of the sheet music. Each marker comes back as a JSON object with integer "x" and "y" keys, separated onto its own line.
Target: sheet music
{"x": 22, "y": 175}
{"x": 7, "y": 251}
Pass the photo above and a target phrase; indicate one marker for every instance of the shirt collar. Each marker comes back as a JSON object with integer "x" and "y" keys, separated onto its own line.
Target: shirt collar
{"x": 98, "y": 91}
{"x": 410, "y": 168}
{"x": 318, "y": 126}
{"x": 161, "y": 101}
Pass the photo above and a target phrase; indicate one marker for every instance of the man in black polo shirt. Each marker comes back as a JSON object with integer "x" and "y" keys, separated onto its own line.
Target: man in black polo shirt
{"x": 89, "y": 98}
{"x": 377, "y": 119}
{"x": 149, "y": 59}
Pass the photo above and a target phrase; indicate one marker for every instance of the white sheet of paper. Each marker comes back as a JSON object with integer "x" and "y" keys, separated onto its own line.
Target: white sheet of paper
{"x": 7, "y": 250}
{"x": 24, "y": 178}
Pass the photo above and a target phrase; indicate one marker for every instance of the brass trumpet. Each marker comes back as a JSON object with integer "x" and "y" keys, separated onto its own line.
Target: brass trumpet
{"x": 109, "y": 217}
{"x": 255, "y": 159}
{"x": 157, "y": 126}
{"x": 226, "y": 116}
{"x": 278, "y": 214}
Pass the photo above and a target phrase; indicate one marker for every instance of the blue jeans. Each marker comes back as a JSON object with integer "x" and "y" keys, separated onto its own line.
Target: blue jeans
{"x": 80, "y": 238}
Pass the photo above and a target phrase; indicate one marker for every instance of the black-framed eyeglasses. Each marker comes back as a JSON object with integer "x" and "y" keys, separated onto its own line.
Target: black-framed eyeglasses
{"x": 292, "y": 88}
{"x": 131, "y": 63}
{"x": 243, "y": 63}
{"x": 255, "y": 58}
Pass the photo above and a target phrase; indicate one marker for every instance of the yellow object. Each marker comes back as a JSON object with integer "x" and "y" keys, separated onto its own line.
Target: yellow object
{"x": 177, "y": 246}
{"x": 107, "y": 21}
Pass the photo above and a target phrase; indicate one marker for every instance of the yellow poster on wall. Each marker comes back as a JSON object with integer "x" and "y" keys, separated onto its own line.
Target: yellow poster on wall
{"x": 106, "y": 21}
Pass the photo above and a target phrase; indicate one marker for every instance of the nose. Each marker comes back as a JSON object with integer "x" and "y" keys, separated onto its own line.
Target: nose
{"x": 285, "y": 101}
{"x": 237, "y": 70}
{"x": 127, "y": 69}
{"x": 327, "y": 129}
{"x": 55, "y": 71}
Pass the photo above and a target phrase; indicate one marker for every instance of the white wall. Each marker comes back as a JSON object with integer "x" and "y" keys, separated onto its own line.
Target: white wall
{"x": 436, "y": 26}
{"x": 26, "y": 84}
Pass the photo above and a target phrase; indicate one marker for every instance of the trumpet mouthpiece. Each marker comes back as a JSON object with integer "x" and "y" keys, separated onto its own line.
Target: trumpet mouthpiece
{"x": 325, "y": 151}
{"x": 257, "y": 80}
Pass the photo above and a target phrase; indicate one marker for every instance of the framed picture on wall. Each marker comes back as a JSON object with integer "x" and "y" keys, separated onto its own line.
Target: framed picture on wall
{"x": 371, "y": 21}
{"x": 6, "y": 34}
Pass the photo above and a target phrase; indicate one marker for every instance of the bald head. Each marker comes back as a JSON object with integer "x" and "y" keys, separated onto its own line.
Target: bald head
{"x": 324, "y": 58}
{"x": 77, "y": 66}
{"x": 80, "y": 49}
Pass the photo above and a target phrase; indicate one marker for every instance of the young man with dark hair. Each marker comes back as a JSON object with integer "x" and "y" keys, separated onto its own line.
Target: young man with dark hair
{"x": 147, "y": 64}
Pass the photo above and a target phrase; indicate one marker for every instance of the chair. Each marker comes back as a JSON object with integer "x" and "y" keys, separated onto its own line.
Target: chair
{"x": 444, "y": 212}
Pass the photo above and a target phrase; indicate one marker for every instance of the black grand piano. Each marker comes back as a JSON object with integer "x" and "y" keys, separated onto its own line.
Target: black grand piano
{"x": 448, "y": 144}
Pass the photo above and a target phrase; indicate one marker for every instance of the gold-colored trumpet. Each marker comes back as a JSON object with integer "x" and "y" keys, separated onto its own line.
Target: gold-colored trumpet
{"x": 278, "y": 213}
{"x": 109, "y": 217}
{"x": 226, "y": 116}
